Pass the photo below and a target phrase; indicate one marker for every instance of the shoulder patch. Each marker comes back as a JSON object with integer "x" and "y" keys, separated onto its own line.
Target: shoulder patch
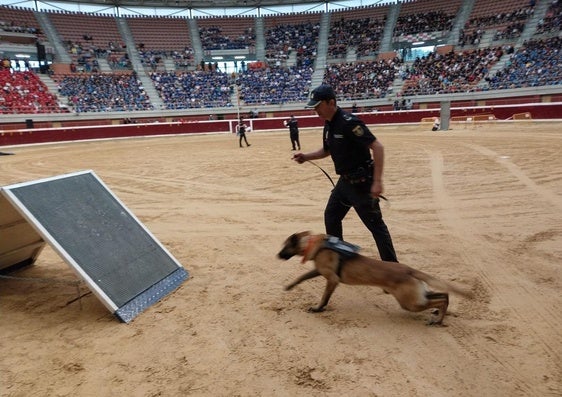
{"x": 358, "y": 130}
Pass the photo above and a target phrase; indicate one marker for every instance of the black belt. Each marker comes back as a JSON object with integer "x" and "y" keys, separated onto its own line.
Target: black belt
{"x": 360, "y": 174}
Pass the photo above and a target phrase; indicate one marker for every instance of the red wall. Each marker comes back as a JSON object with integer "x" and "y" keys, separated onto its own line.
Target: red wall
{"x": 306, "y": 119}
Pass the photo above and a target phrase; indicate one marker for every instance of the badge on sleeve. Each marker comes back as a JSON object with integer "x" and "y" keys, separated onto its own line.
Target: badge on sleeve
{"x": 357, "y": 130}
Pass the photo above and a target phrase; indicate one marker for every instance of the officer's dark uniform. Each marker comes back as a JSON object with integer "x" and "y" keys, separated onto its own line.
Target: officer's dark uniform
{"x": 241, "y": 131}
{"x": 347, "y": 139}
{"x": 293, "y": 125}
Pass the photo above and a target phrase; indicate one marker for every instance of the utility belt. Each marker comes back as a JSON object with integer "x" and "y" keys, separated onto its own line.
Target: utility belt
{"x": 360, "y": 175}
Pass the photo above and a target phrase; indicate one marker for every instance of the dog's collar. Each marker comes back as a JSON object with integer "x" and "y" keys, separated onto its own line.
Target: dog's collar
{"x": 308, "y": 252}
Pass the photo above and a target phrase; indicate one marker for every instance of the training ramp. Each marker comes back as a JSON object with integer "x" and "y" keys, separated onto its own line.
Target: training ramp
{"x": 122, "y": 263}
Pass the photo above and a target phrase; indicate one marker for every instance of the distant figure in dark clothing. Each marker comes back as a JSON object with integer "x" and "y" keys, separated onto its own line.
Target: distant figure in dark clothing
{"x": 241, "y": 129}
{"x": 293, "y": 126}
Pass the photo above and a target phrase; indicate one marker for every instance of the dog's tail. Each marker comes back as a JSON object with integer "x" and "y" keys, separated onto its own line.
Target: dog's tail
{"x": 440, "y": 284}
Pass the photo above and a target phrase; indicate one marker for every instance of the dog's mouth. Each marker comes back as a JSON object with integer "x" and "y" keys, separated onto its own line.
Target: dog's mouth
{"x": 285, "y": 255}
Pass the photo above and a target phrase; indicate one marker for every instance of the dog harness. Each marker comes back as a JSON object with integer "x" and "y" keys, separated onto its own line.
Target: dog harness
{"x": 344, "y": 249}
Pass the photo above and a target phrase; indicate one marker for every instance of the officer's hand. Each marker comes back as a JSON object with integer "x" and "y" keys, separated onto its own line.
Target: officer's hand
{"x": 299, "y": 158}
{"x": 376, "y": 189}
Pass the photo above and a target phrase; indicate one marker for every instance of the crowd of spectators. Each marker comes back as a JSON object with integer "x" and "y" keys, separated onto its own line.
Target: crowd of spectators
{"x": 510, "y": 32}
{"x": 363, "y": 33}
{"x": 274, "y": 85}
{"x": 85, "y": 55}
{"x": 152, "y": 59}
{"x": 432, "y": 21}
{"x": 537, "y": 63}
{"x": 363, "y": 79}
{"x": 23, "y": 92}
{"x": 471, "y": 37}
{"x": 197, "y": 89}
{"x": 183, "y": 59}
{"x": 97, "y": 92}
{"x": 552, "y": 19}
{"x": 509, "y": 25}
{"x": 449, "y": 73}
{"x": 502, "y": 18}
{"x": 213, "y": 38}
{"x": 284, "y": 39}
{"x": 18, "y": 27}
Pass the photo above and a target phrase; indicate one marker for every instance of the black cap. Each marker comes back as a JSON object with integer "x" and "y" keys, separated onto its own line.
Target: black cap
{"x": 321, "y": 93}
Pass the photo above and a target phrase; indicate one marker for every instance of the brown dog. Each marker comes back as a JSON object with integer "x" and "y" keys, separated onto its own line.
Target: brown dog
{"x": 339, "y": 262}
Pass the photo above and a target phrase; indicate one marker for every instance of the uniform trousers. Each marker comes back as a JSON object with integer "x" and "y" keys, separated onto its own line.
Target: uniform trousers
{"x": 346, "y": 195}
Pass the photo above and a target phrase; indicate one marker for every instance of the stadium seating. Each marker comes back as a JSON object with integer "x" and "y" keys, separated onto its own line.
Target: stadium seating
{"x": 227, "y": 33}
{"x": 291, "y": 45}
{"x": 157, "y": 38}
{"x": 24, "y": 93}
{"x": 98, "y": 92}
{"x": 359, "y": 28}
{"x": 536, "y": 64}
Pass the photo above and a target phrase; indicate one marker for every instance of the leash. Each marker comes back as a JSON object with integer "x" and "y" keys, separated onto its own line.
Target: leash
{"x": 331, "y": 180}
{"x": 322, "y": 169}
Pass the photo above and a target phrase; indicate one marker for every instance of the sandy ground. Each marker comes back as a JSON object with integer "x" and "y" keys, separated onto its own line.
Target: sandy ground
{"x": 480, "y": 207}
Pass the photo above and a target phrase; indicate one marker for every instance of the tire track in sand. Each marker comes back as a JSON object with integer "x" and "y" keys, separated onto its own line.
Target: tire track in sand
{"x": 481, "y": 255}
{"x": 543, "y": 193}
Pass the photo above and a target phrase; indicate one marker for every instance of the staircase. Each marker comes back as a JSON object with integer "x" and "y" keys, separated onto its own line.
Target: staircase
{"x": 53, "y": 88}
{"x": 392, "y": 17}
{"x": 460, "y": 21}
{"x": 138, "y": 67}
{"x": 351, "y": 55}
{"x": 291, "y": 59}
{"x": 104, "y": 65}
{"x": 195, "y": 41}
{"x": 54, "y": 38}
{"x": 322, "y": 50}
{"x": 260, "y": 39}
{"x": 169, "y": 65}
{"x": 531, "y": 27}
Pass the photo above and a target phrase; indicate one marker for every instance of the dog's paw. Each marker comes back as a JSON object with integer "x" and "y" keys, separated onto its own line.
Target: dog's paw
{"x": 436, "y": 318}
{"x": 315, "y": 309}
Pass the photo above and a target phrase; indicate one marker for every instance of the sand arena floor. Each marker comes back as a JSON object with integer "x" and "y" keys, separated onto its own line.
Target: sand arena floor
{"x": 481, "y": 207}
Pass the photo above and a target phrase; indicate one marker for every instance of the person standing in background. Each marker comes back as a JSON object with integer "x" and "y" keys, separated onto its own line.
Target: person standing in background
{"x": 241, "y": 129}
{"x": 293, "y": 126}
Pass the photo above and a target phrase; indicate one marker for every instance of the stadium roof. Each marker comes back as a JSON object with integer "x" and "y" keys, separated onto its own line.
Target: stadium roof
{"x": 225, "y": 7}
{"x": 193, "y": 3}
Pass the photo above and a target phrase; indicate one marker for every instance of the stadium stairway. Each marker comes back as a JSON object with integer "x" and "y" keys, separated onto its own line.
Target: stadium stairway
{"x": 392, "y": 17}
{"x": 195, "y": 41}
{"x": 53, "y": 88}
{"x": 351, "y": 54}
{"x": 55, "y": 40}
{"x": 531, "y": 27}
{"x": 322, "y": 51}
{"x": 397, "y": 85}
{"x": 260, "y": 39}
{"x": 104, "y": 65}
{"x": 138, "y": 67}
{"x": 460, "y": 20}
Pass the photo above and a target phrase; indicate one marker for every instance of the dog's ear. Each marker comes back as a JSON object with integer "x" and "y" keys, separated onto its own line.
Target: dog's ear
{"x": 294, "y": 240}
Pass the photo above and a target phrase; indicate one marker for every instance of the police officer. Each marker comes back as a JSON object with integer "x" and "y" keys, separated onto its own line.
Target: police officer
{"x": 359, "y": 161}
{"x": 241, "y": 129}
{"x": 293, "y": 126}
